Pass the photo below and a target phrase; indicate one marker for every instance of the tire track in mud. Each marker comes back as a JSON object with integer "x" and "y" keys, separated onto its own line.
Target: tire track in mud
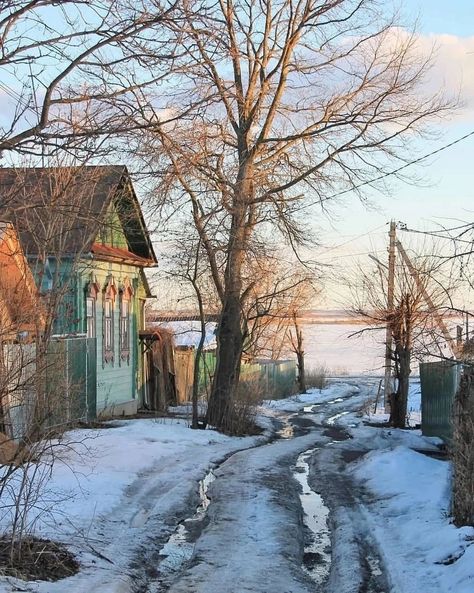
{"x": 350, "y": 547}
{"x": 356, "y": 565}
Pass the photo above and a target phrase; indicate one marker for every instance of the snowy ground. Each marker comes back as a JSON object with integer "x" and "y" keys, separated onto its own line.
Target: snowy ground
{"x": 409, "y": 518}
{"x": 126, "y": 488}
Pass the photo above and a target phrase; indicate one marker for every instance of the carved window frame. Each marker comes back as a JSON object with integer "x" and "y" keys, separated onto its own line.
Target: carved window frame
{"x": 90, "y": 305}
{"x": 109, "y": 295}
{"x": 125, "y": 319}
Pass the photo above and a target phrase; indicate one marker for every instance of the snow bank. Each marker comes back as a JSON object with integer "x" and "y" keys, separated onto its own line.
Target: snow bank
{"x": 410, "y": 520}
{"x": 313, "y": 396}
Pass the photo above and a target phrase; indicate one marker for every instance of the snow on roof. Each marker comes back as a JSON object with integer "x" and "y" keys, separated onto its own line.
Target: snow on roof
{"x": 188, "y": 333}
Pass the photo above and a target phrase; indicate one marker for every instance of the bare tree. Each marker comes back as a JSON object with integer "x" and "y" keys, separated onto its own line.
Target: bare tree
{"x": 61, "y": 63}
{"x": 414, "y": 320}
{"x": 292, "y": 102}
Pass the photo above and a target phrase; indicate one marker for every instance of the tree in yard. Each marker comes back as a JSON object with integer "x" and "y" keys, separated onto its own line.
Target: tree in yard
{"x": 298, "y": 348}
{"x": 186, "y": 271}
{"x": 288, "y": 102}
{"x": 273, "y": 320}
{"x": 62, "y": 62}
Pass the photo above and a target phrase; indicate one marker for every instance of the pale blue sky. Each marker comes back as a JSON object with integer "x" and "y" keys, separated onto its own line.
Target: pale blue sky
{"x": 448, "y": 187}
{"x": 439, "y": 16}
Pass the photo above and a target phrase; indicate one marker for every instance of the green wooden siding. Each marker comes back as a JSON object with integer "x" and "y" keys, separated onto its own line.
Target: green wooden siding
{"x": 112, "y": 233}
{"x": 117, "y": 380}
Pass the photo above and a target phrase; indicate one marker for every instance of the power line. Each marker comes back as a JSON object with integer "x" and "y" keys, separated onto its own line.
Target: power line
{"x": 440, "y": 234}
{"x": 336, "y": 256}
{"x": 395, "y": 171}
{"x": 354, "y": 238}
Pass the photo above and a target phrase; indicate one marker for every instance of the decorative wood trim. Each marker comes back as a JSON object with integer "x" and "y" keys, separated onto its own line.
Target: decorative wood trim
{"x": 125, "y": 295}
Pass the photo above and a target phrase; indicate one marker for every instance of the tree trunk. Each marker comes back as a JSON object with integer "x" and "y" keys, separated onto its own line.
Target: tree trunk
{"x": 301, "y": 372}
{"x": 197, "y": 360}
{"x": 230, "y": 337}
{"x": 300, "y": 355}
{"x": 400, "y": 398}
{"x": 226, "y": 378}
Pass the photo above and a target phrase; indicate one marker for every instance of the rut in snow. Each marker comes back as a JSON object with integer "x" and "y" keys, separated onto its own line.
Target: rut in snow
{"x": 179, "y": 548}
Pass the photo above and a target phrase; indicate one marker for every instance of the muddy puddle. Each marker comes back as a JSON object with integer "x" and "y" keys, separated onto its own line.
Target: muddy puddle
{"x": 317, "y": 551}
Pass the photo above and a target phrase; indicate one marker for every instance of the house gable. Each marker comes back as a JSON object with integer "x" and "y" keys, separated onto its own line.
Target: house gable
{"x": 63, "y": 210}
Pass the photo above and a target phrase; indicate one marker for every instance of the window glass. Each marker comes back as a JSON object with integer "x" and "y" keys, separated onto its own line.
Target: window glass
{"x": 90, "y": 317}
{"x": 124, "y": 328}
{"x": 108, "y": 329}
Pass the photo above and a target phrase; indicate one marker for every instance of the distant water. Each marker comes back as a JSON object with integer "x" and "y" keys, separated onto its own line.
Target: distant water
{"x": 329, "y": 345}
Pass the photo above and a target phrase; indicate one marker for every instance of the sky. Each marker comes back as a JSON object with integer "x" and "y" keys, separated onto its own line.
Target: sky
{"x": 446, "y": 191}
{"x": 350, "y": 230}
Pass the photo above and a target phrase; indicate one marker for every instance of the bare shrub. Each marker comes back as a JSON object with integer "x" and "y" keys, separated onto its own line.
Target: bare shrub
{"x": 316, "y": 377}
{"x": 242, "y": 420}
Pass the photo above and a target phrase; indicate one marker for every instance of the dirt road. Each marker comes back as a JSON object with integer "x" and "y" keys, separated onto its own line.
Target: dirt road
{"x": 255, "y": 536}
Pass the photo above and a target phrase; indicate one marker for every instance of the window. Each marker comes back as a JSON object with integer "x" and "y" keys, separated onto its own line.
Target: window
{"x": 108, "y": 321}
{"x": 90, "y": 317}
{"x": 125, "y": 329}
{"x": 126, "y": 294}
{"x": 109, "y": 325}
{"x": 91, "y": 292}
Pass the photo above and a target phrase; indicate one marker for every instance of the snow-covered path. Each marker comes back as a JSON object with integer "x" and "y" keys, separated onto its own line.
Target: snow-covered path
{"x": 255, "y": 538}
{"x": 138, "y": 482}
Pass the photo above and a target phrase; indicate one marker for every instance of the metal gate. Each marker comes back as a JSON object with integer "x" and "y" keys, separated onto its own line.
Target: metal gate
{"x": 72, "y": 378}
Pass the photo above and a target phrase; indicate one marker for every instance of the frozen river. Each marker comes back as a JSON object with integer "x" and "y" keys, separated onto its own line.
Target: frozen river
{"x": 329, "y": 345}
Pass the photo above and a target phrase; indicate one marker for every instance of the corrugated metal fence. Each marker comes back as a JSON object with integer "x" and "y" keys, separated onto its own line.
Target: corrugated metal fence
{"x": 439, "y": 383}
{"x": 278, "y": 377}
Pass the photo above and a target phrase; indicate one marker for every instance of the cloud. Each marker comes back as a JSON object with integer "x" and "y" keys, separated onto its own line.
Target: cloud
{"x": 453, "y": 67}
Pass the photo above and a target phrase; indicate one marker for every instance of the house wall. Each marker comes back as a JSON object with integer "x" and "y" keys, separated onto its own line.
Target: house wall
{"x": 119, "y": 382}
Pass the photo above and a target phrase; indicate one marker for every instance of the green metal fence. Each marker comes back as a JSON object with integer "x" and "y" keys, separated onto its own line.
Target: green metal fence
{"x": 278, "y": 377}
{"x": 207, "y": 368}
{"x": 272, "y": 378}
{"x": 439, "y": 383}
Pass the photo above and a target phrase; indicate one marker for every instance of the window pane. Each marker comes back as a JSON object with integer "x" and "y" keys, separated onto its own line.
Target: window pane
{"x": 124, "y": 308}
{"x": 90, "y": 316}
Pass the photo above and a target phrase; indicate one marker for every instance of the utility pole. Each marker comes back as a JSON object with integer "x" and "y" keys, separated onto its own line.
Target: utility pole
{"x": 387, "y": 388}
{"x": 437, "y": 317}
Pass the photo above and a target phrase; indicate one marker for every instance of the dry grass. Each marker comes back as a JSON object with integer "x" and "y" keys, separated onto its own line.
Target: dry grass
{"x": 38, "y": 559}
{"x": 316, "y": 378}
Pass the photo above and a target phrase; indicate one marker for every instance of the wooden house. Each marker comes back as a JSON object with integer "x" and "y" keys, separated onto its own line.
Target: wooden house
{"x": 21, "y": 320}
{"x": 84, "y": 236}
{"x": 20, "y": 314}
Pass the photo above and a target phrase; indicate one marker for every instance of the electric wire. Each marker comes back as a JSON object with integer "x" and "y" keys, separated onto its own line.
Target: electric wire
{"x": 397, "y": 170}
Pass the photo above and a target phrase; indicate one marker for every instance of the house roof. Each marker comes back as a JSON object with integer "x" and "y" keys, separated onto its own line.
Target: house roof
{"x": 20, "y": 309}
{"x": 65, "y": 208}
{"x": 118, "y": 254}
{"x": 188, "y": 333}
